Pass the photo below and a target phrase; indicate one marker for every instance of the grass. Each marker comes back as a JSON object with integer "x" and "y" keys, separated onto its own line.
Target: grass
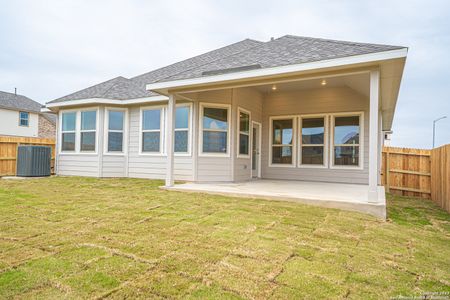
{"x": 125, "y": 238}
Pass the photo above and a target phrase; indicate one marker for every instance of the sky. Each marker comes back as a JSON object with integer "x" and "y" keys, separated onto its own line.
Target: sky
{"x": 49, "y": 49}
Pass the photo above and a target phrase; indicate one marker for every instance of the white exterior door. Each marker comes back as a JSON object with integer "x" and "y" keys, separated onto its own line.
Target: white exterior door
{"x": 256, "y": 149}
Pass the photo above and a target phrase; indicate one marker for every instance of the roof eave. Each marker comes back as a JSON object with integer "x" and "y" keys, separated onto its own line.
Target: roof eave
{"x": 92, "y": 101}
{"x": 164, "y": 87}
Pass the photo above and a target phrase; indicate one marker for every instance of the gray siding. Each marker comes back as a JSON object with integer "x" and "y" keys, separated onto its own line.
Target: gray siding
{"x": 330, "y": 100}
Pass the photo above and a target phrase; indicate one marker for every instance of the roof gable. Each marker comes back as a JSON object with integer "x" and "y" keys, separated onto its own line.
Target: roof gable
{"x": 18, "y": 102}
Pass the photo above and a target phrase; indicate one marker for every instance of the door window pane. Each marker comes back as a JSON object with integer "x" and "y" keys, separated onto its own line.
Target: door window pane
{"x": 182, "y": 117}
{"x": 68, "y": 142}
{"x": 313, "y": 131}
{"x": 151, "y": 119}
{"x": 115, "y": 120}
{"x": 282, "y": 155}
{"x": 68, "y": 121}
{"x": 346, "y": 156}
{"x": 215, "y": 118}
{"x": 346, "y": 130}
{"x": 88, "y": 120}
{"x": 282, "y": 132}
{"x": 151, "y": 141}
{"x": 215, "y": 141}
{"x": 312, "y": 155}
{"x": 87, "y": 141}
{"x": 181, "y": 141}
{"x": 115, "y": 141}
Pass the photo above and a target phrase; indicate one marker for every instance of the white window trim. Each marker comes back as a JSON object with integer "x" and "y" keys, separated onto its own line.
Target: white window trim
{"x": 61, "y": 151}
{"x": 200, "y": 138}
{"x": 294, "y": 140}
{"x": 259, "y": 147}
{"x": 189, "y": 130}
{"x": 361, "y": 140}
{"x": 106, "y": 131}
{"x": 78, "y": 118}
{"x": 325, "y": 145}
{"x": 161, "y": 130}
{"x": 20, "y": 119}
{"x": 239, "y": 132}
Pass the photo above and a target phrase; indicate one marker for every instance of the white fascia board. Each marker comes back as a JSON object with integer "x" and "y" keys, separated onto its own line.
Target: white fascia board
{"x": 330, "y": 63}
{"x": 107, "y": 101}
{"x": 45, "y": 110}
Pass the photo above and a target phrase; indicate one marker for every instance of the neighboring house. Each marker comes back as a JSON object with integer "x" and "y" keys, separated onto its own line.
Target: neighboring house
{"x": 21, "y": 116}
{"x": 293, "y": 108}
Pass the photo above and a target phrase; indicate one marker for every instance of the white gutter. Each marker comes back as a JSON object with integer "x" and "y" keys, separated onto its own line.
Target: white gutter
{"x": 107, "y": 101}
{"x": 337, "y": 62}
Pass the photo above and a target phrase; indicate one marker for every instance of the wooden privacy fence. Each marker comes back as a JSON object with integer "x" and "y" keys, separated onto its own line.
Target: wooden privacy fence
{"x": 8, "y": 152}
{"x": 418, "y": 173}
{"x": 440, "y": 176}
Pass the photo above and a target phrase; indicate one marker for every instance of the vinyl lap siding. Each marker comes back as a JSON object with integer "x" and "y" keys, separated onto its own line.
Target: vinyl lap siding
{"x": 330, "y": 100}
{"x": 78, "y": 165}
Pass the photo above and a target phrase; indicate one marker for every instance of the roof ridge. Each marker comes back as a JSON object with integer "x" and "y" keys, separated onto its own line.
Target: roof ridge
{"x": 205, "y": 53}
{"x": 14, "y": 94}
{"x": 108, "y": 89}
{"x": 341, "y": 42}
{"x": 210, "y": 62}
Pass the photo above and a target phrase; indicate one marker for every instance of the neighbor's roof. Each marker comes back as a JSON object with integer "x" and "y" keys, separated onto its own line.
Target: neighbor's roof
{"x": 240, "y": 56}
{"x": 22, "y": 103}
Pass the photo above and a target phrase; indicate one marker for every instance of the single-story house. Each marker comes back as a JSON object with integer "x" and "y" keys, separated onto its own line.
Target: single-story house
{"x": 21, "y": 116}
{"x": 305, "y": 114}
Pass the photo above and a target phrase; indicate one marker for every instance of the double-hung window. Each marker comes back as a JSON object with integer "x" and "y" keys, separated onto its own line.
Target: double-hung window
{"x": 24, "y": 118}
{"x": 346, "y": 140}
{"x": 182, "y": 121}
{"x": 68, "y": 131}
{"x": 152, "y": 120}
{"x": 88, "y": 131}
{"x": 282, "y": 138}
{"x": 214, "y": 121}
{"x": 115, "y": 133}
{"x": 313, "y": 141}
{"x": 244, "y": 133}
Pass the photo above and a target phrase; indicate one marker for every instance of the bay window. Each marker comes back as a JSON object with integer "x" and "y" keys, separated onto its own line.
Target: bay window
{"x": 312, "y": 141}
{"x": 282, "y": 138}
{"x": 68, "y": 131}
{"x": 346, "y": 140}
{"x": 115, "y": 130}
{"x": 152, "y": 130}
{"x": 88, "y": 131}
{"x": 214, "y": 135}
{"x": 244, "y": 133}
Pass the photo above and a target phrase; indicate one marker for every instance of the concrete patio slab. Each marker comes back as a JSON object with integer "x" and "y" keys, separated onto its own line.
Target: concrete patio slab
{"x": 353, "y": 197}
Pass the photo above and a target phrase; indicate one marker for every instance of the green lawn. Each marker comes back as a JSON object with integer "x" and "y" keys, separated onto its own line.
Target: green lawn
{"x": 118, "y": 238}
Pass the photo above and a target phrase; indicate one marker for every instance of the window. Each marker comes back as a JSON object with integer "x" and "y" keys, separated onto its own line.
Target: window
{"x": 244, "y": 133}
{"x": 24, "y": 118}
{"x": 182, "y": 129}
{"x": 346, "y": 140}
{"x": 151, "y": 130}
{"x": 214, "y": 138}
{"x": 68, "y": 131}
{"x": 282, "y": 136}
{"x": 88, "y": 131}
{"x": 313, "y": 140}
{"x": 116, "y": 122}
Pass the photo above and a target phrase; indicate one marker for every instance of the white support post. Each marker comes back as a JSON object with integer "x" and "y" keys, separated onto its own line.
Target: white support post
{"x": 170, "y": 140}
{"x": 373, "y": 135}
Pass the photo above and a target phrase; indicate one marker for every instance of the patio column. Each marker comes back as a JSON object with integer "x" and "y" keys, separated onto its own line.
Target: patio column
{"x": 373, "y": 135}
{"x": 170, "y": 139}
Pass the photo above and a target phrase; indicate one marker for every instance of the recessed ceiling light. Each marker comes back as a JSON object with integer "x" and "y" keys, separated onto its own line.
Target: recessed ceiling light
{"x": 323, "y": 82}
{"x": 274, "y": 87}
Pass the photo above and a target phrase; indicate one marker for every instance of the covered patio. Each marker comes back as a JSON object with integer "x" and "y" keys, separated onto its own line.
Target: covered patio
{"x": 353, "y": 197}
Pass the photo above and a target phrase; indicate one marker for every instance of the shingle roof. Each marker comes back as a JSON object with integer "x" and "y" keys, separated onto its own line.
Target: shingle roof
{"x": 122, "y": 88}
{"x": 22, "y": 103}
{"x": 286, "y": 50}
{"x": 18, "y": 102}
{"x": 283, "y": 51}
